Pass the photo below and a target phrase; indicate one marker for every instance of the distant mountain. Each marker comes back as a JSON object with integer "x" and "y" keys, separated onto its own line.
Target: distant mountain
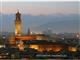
{"x": 63, "y": 24}
{"x": 57, "y": 22}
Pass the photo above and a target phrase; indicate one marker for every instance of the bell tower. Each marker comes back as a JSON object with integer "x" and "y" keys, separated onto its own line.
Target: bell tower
{"x": 18, "y": 24}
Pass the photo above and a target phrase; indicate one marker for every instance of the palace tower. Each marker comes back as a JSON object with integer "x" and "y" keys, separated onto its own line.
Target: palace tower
{"x": 18, "y": 24}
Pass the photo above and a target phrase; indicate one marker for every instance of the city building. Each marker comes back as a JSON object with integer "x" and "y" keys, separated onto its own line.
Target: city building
{"x": 34, "y": 41}
{"x": 18, "y": 24}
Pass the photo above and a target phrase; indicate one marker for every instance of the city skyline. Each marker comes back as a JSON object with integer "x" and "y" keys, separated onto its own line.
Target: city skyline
{"x": 39, "y": 30}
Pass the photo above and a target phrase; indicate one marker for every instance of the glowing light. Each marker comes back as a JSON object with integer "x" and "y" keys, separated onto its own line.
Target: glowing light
{"x": 57, "y": 49}
{"x": 72, "y": 49}
{"x": 26, "y": 37}
{"x": 2, "y": 46}
{"x": 21, "y": 46}
{"x": 34, "y": 46}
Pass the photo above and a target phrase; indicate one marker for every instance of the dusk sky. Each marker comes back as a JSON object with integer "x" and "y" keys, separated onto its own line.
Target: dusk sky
{"x": 36, "y": 9}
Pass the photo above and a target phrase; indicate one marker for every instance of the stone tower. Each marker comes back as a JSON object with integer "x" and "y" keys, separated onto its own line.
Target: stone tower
{"x": 18, "y": 24}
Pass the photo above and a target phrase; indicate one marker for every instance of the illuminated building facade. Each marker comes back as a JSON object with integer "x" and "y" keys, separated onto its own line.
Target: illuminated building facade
{"x": 46, "y": 47}
{"x": 18, "y": 24}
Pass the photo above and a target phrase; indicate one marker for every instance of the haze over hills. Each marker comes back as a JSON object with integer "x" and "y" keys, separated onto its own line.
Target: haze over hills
{"x": 57, "y": 22}
{"x": 63, "y": 24}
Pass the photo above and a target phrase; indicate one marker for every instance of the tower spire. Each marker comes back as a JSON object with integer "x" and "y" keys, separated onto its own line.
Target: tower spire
{"x": 28, "y": 32}
{"x": 18, "y": 15}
